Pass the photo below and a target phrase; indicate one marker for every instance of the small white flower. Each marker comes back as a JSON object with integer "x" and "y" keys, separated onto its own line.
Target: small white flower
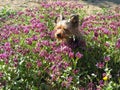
{"x": 94, "y": 75}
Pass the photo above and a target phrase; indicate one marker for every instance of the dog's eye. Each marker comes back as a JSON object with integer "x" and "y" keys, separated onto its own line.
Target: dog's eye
{"x": 59, "y": 28}
{"x": 66, "y": 29}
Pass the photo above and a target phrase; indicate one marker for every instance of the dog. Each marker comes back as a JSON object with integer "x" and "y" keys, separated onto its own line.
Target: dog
{"x": 67, "y": 30}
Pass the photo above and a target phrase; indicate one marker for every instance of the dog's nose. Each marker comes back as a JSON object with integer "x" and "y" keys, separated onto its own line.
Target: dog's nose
{"x": 59, "y": 35}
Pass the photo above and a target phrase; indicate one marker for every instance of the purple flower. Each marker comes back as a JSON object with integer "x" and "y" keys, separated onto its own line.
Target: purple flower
{"x": 3, "y": 55}
{"x": 95, "y": 34}
{"x": 42, "y": 34}
{"x": 69, "y": 79}
{"x": 106, "y": 31}
{"x": 36, "y": 50}
{"x": 39, "y": 63}
{"x": 58, "y": 58}
{"x": 38, "y": 44}
{"x": 90, "y": 86}
{"x": 113, "y": 27}
{"x": 45, "y": 43}
{"x": 53, "y": 67}
{"x": 67, "y": 83}
{"x": 65, "y": 49}
{"x": 101, "y": 83}
{"x": 104, "y": 74}
{"x": 16, "y": 40}
{"x": 20, "y": 13}
{"x": 7, "y": 46}
{"x": 26, "y": 30}
{"x": 100, "y": 64}
{"x": 41, "y": 16}
{"x": 118, "y": 44}
{"x": 75, "y": 71}
{"x": 51, "y": 57}
{"x": 71, "y": 55}
{"x": 15, "y": 60}
{"x": 66, "y": 65}
{"x": 29, "y": 41}
{"x": 53, "y": 76}
{"x": 63, "y": 84}
{"x": 78, "y": 55}
{"x": 107, "y": 58}
{"x": 34, "y": 37}
{"x": 6, "y": 61}
{"x": 43, "y": 53}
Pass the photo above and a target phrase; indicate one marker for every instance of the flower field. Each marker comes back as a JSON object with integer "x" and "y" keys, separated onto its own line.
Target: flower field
{"x": 31, "y": 58}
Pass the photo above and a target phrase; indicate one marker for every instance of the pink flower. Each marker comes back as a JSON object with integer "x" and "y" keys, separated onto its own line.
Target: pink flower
{"x": 20, "y": 13}
{"x": 101, "y": 83}
{"x": 41, "y": 16}
{"x": 67, "y": 83}
{"x": 71, "y": 55}
{"x": 15, "y": 60}
{"x": 118, "y": 44}
{"x": 69, "y": 79}
{"x": 100, "y": 64}
{"x": 34, "y": 37}
{"x": 78, "y": 55}
{"x": 53, "y": 76}
{"x": 95, "y": 34}
{"x": 105, "y": 31}
{"x": 43, "y": 53}
{"x": 26, "y": 30}
{"x": 39, "y": 63}
{"x": 75, "y": 71}
{"x": 7, "y": 46}
{"x": 63, "y": 84}
{"x": 107, "y": 58}
{"x": 15, "y": 40}
{"x": 90, "y": 86}
{"x": 29, "y": 41}
{"x": 3, "y": 55}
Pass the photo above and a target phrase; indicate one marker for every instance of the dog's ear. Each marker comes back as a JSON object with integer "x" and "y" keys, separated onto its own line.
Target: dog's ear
{"x": 74, "y": 19}
{"x": 59, "y": 18}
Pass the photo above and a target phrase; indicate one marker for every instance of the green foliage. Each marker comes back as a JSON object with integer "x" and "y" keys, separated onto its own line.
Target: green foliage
{"x": 31, "y": 59}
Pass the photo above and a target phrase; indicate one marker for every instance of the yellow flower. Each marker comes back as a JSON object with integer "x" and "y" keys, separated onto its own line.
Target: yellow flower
{"x": 105, "y": 78}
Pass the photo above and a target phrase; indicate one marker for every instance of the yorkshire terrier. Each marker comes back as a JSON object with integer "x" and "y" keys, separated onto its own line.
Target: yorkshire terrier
{"x": 67, "y": 30}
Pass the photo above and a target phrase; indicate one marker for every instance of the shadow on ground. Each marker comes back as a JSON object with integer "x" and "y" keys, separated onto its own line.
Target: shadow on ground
{"x": 103, "y": 3}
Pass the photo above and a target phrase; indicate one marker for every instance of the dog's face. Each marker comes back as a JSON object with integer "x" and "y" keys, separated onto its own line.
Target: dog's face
{"x": 66, "y": 28}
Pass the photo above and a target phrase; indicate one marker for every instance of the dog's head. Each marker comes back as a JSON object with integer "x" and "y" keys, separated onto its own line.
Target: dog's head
{"x": 66, "y": 28}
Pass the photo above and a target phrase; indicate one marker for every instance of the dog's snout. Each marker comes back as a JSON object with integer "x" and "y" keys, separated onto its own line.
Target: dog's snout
{"x": 59, "y": 35}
